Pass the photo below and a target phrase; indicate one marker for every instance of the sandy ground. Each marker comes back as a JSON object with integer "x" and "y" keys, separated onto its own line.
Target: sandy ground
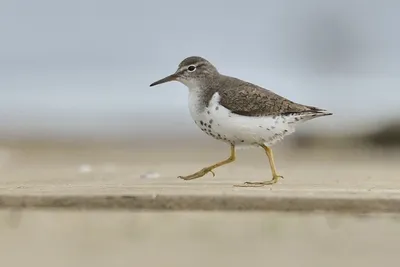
{"x": 183, "y": 238}
{"x": 68, "y": 171}
{"x": 95, "y": 238}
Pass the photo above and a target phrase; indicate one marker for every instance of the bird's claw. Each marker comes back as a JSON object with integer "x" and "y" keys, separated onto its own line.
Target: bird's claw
{"x": 197, "y": 174}
{"x": 274, "y": 180}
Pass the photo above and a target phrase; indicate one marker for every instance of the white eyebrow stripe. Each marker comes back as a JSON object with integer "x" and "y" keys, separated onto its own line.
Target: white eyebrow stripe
{"x": 181, "y": 69}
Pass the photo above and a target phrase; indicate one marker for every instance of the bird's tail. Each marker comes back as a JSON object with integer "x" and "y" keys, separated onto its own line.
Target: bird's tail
{"x": 314, "y": 113}
{"x": 309, "y": 113}
{"x": 323, "y": 112}
{"x": 318, "y": 112}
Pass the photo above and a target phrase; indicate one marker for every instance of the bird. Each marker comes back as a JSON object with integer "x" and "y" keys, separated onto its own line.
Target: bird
{"x": 238, "y": 113}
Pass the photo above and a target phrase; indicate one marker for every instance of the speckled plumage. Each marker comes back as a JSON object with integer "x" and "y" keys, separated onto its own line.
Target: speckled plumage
{"x": 222, "y": 124}
{"x": 237, "y": 112}
{"x": 244, "y": 108}
{"x": 241, "y": 97}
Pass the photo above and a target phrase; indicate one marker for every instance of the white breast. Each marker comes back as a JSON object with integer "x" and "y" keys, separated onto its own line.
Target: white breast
{"x": 221, "y": 123}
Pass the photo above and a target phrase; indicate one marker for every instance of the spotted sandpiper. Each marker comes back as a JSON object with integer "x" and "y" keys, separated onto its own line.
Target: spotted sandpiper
{"x": 237, "y": 112}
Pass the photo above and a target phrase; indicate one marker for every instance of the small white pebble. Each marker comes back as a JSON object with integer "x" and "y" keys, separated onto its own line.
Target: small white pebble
{"x": 150, "y": 175}
{"x": 85, "y": 168}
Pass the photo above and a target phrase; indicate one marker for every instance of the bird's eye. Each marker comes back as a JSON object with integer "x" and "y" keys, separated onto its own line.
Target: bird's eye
{"x": 191, "y": 68}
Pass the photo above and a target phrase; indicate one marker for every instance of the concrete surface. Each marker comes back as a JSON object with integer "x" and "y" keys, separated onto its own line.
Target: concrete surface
{"x": 197, "y": 239}
{"x": 82, "y": 177}
{"x": 97, "y": 208}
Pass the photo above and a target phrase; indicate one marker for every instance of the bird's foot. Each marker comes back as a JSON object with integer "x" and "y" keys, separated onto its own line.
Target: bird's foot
{"x": 274, "y": 180}
{"x": 198, "y": 174}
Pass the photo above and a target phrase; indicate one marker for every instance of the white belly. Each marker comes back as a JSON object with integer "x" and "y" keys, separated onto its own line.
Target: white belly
{"x": 218, "y": 122}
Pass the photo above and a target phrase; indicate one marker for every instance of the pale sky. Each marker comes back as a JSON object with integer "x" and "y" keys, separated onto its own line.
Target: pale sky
{"x": 84, "y": 67}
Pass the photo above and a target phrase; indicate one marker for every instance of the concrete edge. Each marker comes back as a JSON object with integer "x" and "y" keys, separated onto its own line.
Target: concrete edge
{"x": 203, "y": 203}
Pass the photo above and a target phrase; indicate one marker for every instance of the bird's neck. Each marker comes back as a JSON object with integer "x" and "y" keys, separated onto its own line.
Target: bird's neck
{"x": 193, "y": 86}
{"x": 200, "y": 96}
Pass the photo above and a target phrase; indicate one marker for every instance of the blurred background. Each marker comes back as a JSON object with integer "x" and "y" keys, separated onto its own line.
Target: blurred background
{"x": 77, "y": 116}
{"x": 81, "y": 69}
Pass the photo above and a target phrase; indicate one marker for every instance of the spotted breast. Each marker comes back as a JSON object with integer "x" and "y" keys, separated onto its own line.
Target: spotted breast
{"x": 219, "y": 122}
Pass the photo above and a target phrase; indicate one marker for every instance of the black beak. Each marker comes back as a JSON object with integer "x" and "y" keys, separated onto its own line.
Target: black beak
{"x": 169, "y": 78}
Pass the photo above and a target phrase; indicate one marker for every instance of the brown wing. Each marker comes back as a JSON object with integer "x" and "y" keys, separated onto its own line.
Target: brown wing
{"x": 247, "y": 99}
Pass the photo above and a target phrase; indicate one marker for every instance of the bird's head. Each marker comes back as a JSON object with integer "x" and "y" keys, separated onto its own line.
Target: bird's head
{"x": 192, "y": 71}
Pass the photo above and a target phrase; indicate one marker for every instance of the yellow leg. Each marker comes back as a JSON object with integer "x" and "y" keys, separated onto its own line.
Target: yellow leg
{"x": 275, "y": 176}
{"x": 206, "y": 170}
